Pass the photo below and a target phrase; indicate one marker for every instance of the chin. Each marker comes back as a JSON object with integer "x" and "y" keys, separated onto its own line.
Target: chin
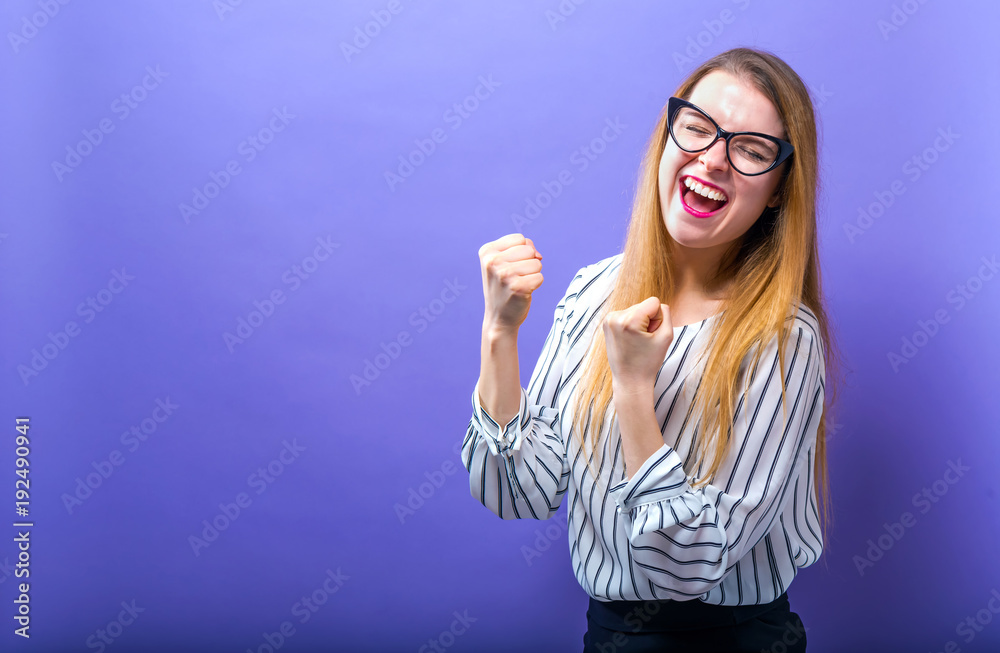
{"x": 688, "y": 234}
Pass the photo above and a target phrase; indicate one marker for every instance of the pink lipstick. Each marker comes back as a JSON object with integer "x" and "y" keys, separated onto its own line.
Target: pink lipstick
{"x": 682, "y": 190}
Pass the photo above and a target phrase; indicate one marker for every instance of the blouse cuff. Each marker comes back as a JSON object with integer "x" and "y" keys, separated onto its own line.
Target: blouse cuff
{"x": 659, "y": 478}
{"x": 499, "y": 439}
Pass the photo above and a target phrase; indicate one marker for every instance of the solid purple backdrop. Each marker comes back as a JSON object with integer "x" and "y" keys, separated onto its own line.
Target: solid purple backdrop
{"x": 301, "y": 260}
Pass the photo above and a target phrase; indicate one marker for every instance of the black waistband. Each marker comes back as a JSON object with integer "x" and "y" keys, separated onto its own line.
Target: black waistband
{"x": 665, "y": 615}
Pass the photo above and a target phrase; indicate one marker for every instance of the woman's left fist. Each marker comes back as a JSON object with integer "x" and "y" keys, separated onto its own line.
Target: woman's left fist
{"x": 637, "y": 340}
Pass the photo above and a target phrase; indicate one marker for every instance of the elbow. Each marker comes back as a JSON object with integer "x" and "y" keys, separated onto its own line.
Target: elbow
{"x": 681, "y": 586}
{"x": 476, "y": 489}
{"x": 681, "y": 574}
{"x": 532, "y": 506}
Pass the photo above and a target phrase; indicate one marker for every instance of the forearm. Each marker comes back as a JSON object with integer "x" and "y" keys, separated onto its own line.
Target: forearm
{"x": 499, "y": 376}
{"x": 641, "y": 436}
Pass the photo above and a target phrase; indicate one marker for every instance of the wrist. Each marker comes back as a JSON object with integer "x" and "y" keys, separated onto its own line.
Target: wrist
{"x": 629, "y": 391}
{"x": 495, "y": 333}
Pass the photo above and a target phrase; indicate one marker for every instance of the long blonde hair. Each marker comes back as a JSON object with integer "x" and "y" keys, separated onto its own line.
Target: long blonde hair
{"x": 772, "y": 268}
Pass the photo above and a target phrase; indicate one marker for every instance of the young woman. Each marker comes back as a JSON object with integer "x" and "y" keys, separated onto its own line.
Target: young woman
{"x": 680, "y": 394}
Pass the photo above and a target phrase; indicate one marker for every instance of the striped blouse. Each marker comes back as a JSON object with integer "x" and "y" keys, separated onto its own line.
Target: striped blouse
{"x": 737, "y": 541}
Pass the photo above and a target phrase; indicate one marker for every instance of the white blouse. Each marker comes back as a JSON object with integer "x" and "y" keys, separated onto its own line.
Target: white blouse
{"x": 737, "y": 541}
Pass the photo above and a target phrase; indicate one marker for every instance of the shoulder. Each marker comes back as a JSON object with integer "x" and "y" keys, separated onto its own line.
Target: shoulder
{"x": 596, "y": 278}
{"x": 802, "y": 341}
{"x": 804, "y": 335}
{"x": 803, "y": 318}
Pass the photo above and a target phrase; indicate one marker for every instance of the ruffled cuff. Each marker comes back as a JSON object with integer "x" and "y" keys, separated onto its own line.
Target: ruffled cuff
{"x": 500, "y": 439}
{"x": 659, "y": 478}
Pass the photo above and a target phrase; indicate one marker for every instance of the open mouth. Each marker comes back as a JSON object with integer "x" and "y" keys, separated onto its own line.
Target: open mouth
{"x": 699, "y": 200}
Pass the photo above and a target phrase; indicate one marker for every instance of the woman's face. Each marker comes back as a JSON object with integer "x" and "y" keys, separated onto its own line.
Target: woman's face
{"x": 735, "y": 107}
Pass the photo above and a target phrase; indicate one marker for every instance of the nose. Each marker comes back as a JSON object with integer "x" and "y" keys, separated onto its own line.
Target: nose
{"x": 715, "y": 155}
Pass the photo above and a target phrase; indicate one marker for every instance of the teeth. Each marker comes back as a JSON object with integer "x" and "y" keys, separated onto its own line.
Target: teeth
{"x": 710, "y": 193}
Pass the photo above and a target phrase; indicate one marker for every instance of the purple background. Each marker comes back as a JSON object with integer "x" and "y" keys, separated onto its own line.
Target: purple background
{"x": 882, "y": 97}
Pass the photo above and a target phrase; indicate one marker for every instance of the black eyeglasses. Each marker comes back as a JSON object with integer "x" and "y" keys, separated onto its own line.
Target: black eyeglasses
{"x": 750, "y": 153}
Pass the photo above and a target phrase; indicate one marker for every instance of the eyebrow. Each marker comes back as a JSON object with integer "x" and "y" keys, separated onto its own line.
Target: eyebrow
{"x": 783, "y": 136}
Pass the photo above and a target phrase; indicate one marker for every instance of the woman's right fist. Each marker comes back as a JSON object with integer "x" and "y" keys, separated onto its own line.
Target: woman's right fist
{"x": 512, "y": 270}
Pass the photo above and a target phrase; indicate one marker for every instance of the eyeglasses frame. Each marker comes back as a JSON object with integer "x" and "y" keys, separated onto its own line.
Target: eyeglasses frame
{"x": 674, "y": 104}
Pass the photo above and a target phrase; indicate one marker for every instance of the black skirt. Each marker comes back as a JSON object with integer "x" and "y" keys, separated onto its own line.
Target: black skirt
{"x": 692, "y": 626}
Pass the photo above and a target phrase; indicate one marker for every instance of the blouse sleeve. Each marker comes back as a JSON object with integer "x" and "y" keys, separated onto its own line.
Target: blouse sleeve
{"x": 687, "y": 540}
{"x": 520, "y": 470}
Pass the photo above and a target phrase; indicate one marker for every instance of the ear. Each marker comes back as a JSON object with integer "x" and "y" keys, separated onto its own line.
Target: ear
{"x": 779, "y": 191}
{"x": 775, "y": 200}
{"x": 776, "y": 197}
